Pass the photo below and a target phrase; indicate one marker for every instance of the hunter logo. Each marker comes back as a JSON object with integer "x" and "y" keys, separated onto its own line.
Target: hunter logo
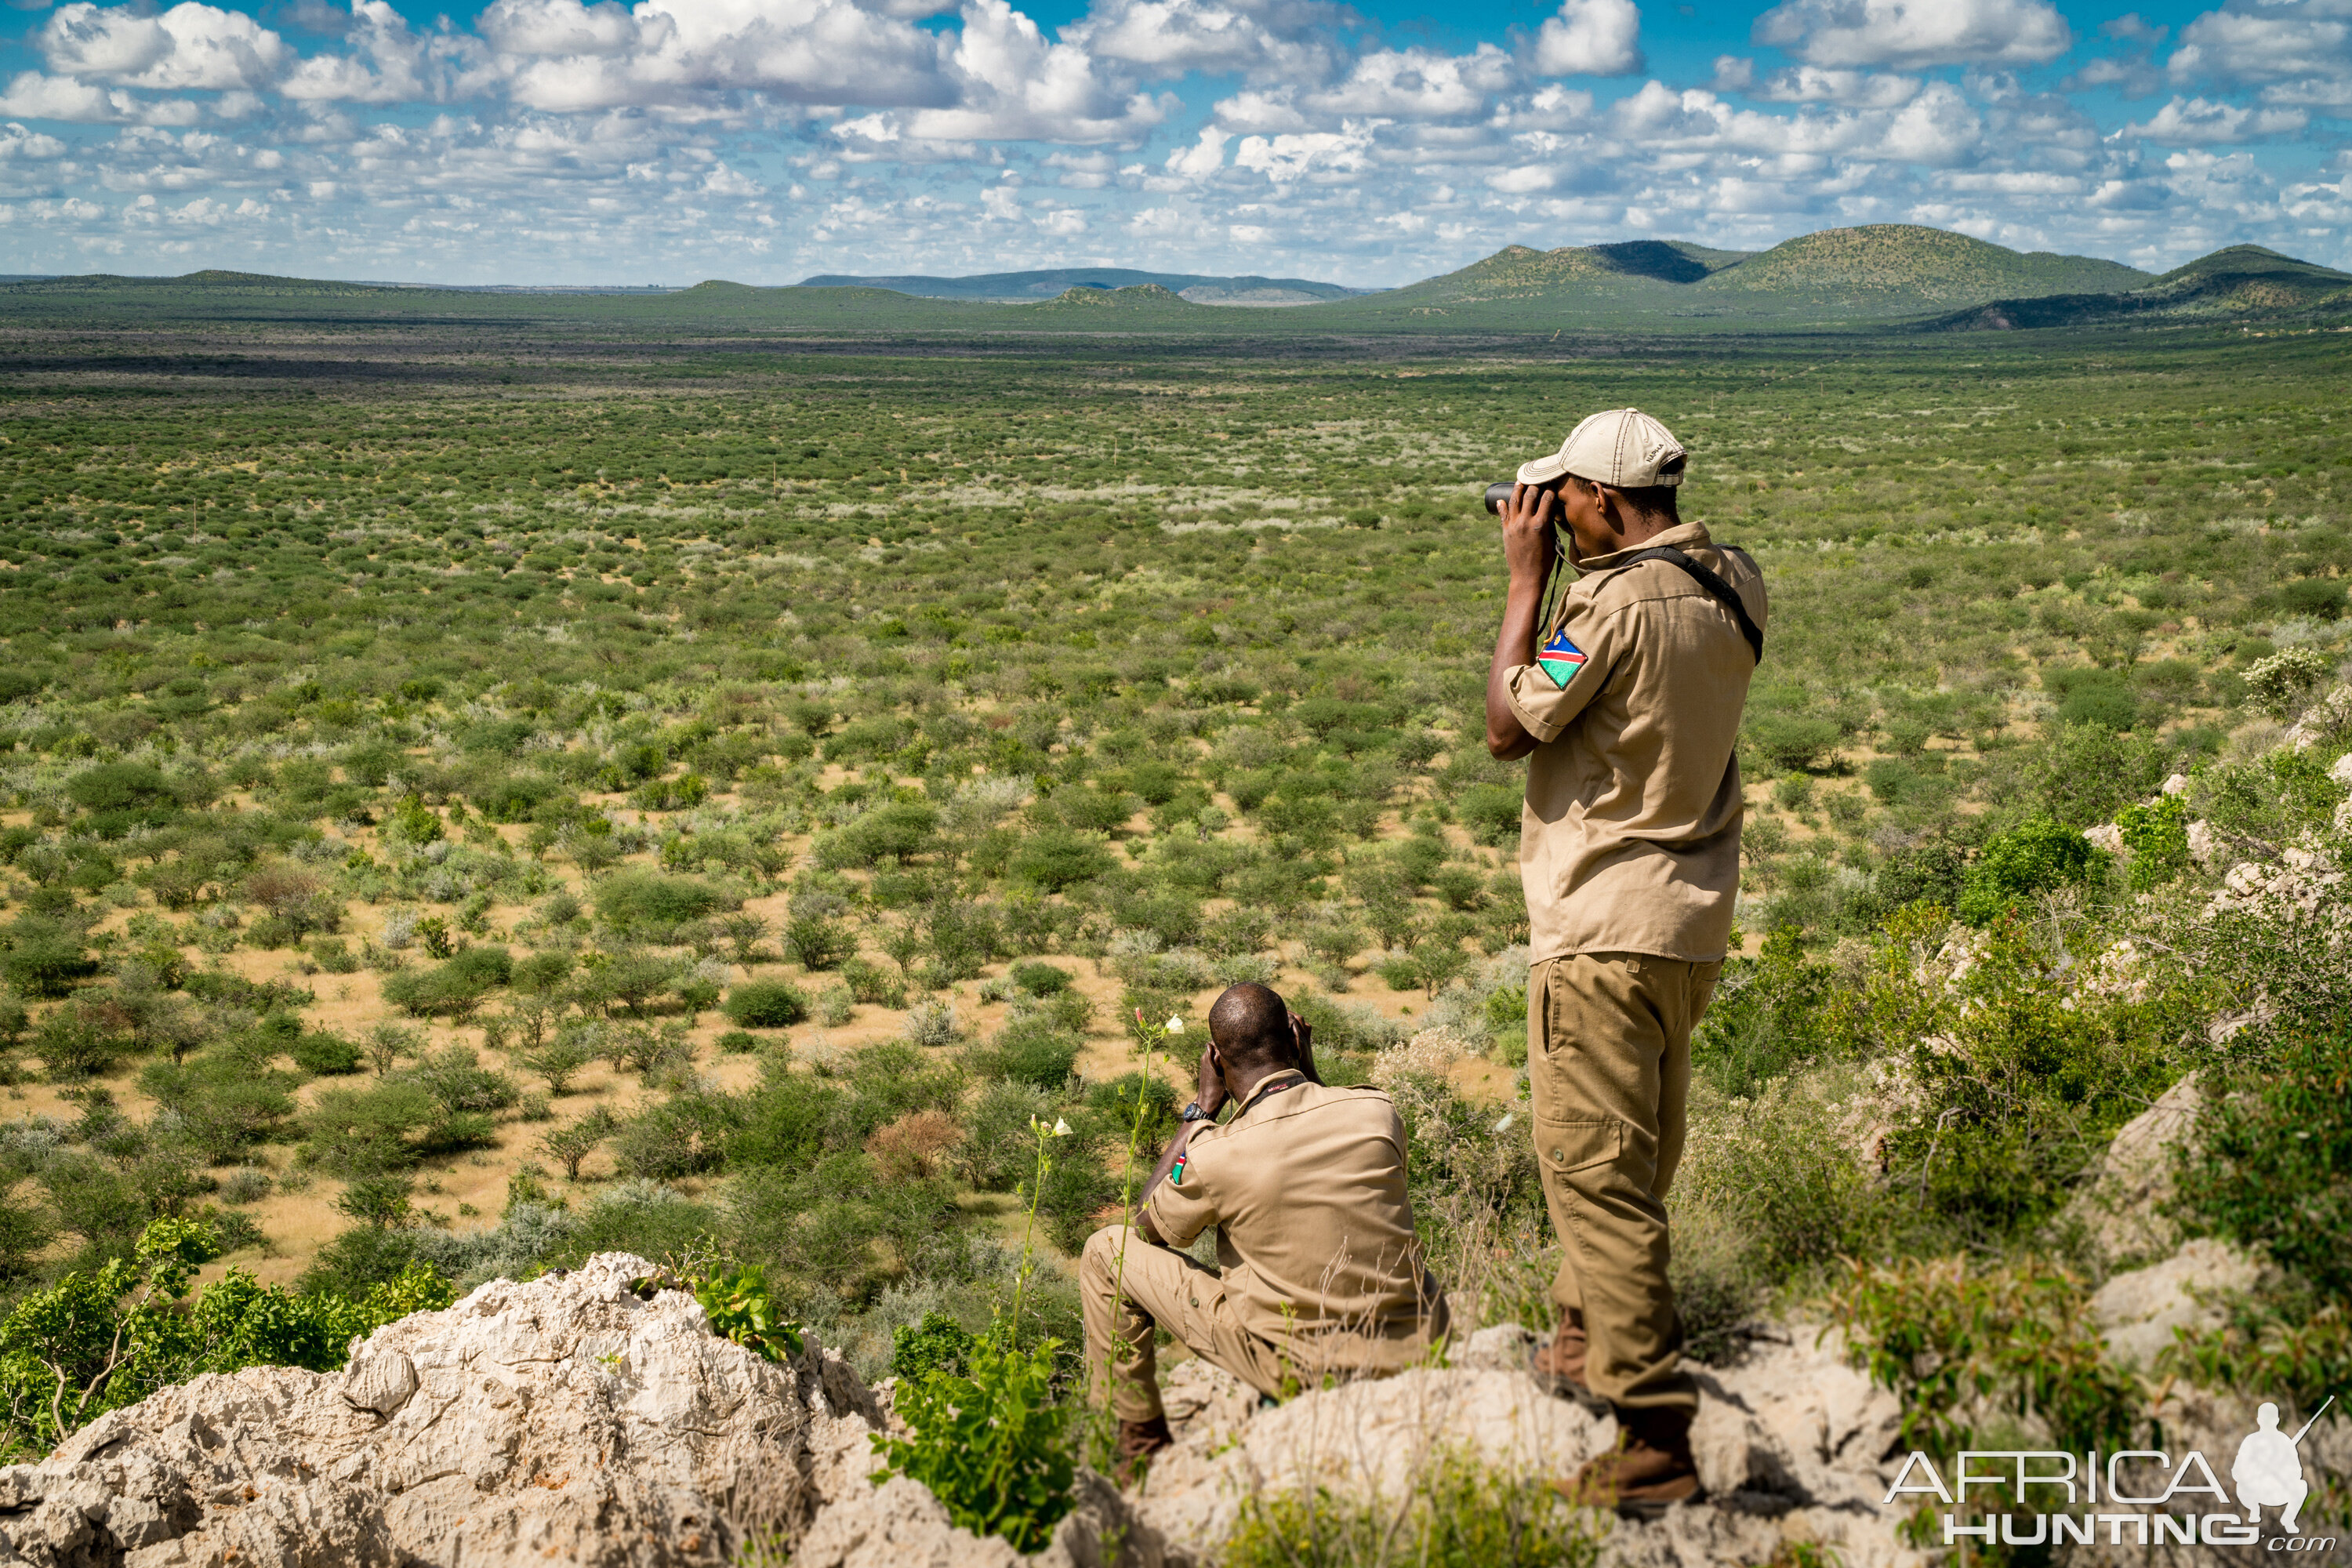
{"x": 2091, "y": 1493}
{"x": 2269, "y": 1471}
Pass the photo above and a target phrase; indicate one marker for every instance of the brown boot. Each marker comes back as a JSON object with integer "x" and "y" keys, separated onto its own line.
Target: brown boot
{"x": 1138, "y": 1440}
{"x": 1650, "y": 1470}
{"x": 1559, "y": 1367}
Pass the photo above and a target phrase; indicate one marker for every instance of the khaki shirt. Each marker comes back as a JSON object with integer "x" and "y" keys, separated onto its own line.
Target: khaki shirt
{"x": 1629, "y": 841}
{"x": 1314, "y": 1232}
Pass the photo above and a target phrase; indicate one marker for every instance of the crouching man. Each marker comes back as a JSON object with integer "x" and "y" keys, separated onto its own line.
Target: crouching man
{"x": 1318, "y": 1274}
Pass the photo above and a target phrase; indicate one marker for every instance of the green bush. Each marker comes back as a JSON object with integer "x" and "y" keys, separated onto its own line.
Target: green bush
{"x": 902, "y": 828}
{"x": 1041, "y": 979}
{"x": 685, "y": 1135}
{"x": 937, "y": 1344}
{"x": 1058, "y": 858}
{"x": 647, "y": 901}
{"x": 1789, "y": 744}
{"x": 1029, "y": 1049}
{"x": 766, "y": 1005}
{"x": 2034, "y": 856}
{"x": 2271, "y": 1167}
{"x": 1491, "y": 813}
{"x": 990, "y": 1445}
{"x": 1459, "y": 1512}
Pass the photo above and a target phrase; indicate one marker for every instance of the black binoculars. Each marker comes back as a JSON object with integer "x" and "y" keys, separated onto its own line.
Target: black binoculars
{"x": 1496, "y": 494}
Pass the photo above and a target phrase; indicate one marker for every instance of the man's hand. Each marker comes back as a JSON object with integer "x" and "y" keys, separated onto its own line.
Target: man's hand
{"x": 1527, "y": 551}
{"x": 1529, "y": 517}
{"x": 1213, "y": 1080}
{"x": 1302, "y": 1037}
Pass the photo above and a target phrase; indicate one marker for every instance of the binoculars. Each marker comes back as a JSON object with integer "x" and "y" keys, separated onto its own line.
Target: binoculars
{"x": 1496, "y": 494}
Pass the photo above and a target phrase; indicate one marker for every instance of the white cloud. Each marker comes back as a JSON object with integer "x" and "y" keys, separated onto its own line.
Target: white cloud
{"x": 1910, "y": 34}
{"x": 16, "y": 141}
{"x": 2199, "y": 123}
{"x": 1203, "y": 158}
{"x": 189, "y": 46}
{"x": 1937, "y": 128}
{"x": 1590, "y": 38}
{"x": 1313, "y": 155}
{"x": 1815, "y": 84}
{"x": 1292, "y": 40}
{"x": 2298, "y": 51}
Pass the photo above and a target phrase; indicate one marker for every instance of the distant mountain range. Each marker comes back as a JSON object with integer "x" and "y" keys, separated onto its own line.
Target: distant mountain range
{"x": 1884, "y": 275}
{"x": 1003, "y": 287}
{"x": 2242, "y": 281}
{"x": 1880, "y": 273}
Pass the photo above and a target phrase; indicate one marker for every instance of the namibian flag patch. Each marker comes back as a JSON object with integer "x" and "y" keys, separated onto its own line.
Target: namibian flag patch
{"x": 1560, "y": 659}
{"x": 1176, "y": 1173}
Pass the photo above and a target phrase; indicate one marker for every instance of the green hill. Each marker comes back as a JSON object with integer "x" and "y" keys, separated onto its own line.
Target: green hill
{"x": 1147, "y": 300}
{"x": 1881, "y": 272}
{"x": 2238, "y": 282}
{"x": 1895, "y": 269}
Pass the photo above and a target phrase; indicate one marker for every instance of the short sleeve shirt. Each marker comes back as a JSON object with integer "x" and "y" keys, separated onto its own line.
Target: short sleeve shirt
{"x": 1629, "y": 841}
{"x": 1307, "y": 1187}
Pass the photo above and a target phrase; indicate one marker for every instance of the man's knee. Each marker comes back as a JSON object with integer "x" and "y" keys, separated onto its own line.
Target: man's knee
{"x": 1098, "y": 1262}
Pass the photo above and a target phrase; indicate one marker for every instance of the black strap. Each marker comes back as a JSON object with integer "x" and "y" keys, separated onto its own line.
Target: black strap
{"x": 1716, "y": 588}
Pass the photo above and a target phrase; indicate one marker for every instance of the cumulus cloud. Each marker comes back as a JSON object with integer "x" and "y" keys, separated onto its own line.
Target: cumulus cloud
{"x": 567, "y": 57}
{"x": 2198, "y": 122}
{"x": 1261, "y": 40}
{"x": 2297, "y": 51}
{"x": 188, "y": 47}
{"x": 1590, "y": 38}
{"x": 1813, "y": 84}
{"x": 1912, "y": 34}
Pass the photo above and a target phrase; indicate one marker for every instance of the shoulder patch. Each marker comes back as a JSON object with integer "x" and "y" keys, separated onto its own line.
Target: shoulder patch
{"x": 1560, "y": 659}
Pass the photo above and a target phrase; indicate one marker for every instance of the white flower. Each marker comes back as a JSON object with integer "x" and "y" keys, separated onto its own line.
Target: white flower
{"x": 1175, "y": 1026}
{"x": 1504, "y": 1125}
{"x": 1061, "y": 1128}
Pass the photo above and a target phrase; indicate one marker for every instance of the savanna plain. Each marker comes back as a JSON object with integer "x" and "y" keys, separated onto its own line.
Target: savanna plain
{"x": 474, "y": 795}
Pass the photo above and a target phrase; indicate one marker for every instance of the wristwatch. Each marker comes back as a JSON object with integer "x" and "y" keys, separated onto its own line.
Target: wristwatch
{"x": 1194, "y": 1112}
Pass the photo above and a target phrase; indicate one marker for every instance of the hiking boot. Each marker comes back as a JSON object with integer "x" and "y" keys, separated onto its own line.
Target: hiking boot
{"x": 1559, "y": 1367}
{"x": 1138, "y": 1440}
{"x": 1648, "y": 1472}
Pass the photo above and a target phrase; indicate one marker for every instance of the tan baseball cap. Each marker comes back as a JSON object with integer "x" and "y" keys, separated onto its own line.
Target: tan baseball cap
{"x": 1624, "y": 448}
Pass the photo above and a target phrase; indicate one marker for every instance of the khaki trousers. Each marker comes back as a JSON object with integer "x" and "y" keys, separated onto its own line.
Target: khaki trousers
{"x": 1120, "y": 1305}
{"x": 1609, "y": 1066}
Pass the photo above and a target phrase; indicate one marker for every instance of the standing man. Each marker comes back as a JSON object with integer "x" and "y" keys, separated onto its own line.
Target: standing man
{"x": 1626, "y": 700}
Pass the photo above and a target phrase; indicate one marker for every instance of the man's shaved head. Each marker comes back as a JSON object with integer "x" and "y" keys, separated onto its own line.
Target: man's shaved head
{"x": 1251, "y": 1026}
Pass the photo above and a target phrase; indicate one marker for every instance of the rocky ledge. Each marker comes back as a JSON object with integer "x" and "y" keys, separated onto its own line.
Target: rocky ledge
{"x": 578, "y": 1419}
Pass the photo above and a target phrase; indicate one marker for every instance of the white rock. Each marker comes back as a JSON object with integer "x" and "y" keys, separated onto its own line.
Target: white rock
{"x": 2176, "y": 785}
{"x": 562, "y": 1420}
{"x": 2140, "y": 1310}
{"x": 2120, "y": 1203}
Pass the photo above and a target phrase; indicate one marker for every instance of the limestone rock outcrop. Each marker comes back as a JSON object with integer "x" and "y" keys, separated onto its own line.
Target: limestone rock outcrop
{"x": 570, "y": 1419}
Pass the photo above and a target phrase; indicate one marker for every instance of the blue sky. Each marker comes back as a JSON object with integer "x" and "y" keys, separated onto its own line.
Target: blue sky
{"x": 670, "y": 140}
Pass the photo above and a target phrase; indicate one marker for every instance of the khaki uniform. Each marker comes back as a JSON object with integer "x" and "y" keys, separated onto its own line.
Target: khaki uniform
{"x": 1318, "y": 1273}
{"x": 1629, "y": 847}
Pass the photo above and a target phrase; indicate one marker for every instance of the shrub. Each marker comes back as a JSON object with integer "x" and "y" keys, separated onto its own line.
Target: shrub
{"x": 2033, "y": 857}
{"x": 766, "y": 1005}
{"x": 1029, "y": 1049}
{"x": 118, "y": 786}
{"x": 1459, "y": 1512}
{"x": 2096, "y": 696}
{"x": 634, "y": 901}
{"x": 989, "y": 1444}
{"x": 1491, "y": 813}
{"x": 2274, "y": 683}
{"x": 817, "y": 942}
{"x": 1057, "y": 858}
{"x": 685, "y": 1135}
{"x": 872, "y": 985}
{"x": 2271, "y": 1168}
{"x": 1789, "y": 744}
{"x": 902, "y": 828}
{"x": 937, "y": 1344}
{"x": 1041, "y": 979}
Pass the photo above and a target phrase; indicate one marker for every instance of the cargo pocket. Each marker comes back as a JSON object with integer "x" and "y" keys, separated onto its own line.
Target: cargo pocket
{"x": 1566, "y": 1143}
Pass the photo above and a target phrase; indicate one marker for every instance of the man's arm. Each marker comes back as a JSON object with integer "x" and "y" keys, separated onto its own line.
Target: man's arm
{"x": 1527, "y": 551}
{"x": 1212, "y": 1100}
